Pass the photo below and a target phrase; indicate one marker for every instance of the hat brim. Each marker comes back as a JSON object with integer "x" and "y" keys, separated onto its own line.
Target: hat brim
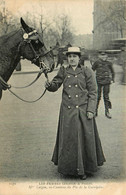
{"x": 70, "y": 52}
{"x": 103, "y": 54}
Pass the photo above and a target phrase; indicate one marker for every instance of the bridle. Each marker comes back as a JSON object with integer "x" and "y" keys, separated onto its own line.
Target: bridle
{"x": 27, "y": 38}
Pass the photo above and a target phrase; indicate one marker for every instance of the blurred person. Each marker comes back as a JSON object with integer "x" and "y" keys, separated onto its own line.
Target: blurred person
{"x": 78, "y": 151}
{"x": 105, "y": 75}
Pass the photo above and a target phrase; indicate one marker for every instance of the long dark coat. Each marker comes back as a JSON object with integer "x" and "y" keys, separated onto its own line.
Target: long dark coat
{"x": 78, "y": 147}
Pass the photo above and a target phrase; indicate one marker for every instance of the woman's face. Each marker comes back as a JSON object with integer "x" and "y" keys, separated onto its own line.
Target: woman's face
{"x": 73, "y": 59}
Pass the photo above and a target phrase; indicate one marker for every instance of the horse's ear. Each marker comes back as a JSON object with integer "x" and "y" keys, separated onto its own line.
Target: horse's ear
{"x": 25, "y": 26}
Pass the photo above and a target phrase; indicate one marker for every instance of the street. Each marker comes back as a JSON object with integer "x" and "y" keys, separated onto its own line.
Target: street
{"x": 28, "y": 132}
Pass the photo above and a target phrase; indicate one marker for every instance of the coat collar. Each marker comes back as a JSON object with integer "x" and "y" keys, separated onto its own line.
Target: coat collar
{"x": 70, "y": 70}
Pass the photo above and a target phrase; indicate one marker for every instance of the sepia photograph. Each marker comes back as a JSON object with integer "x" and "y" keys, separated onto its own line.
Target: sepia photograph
{"x": 62, "y": 97}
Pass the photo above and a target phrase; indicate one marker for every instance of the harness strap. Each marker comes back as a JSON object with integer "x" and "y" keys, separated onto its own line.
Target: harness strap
{"x": 36, "y": 56}
{"x": 49, "y": 52}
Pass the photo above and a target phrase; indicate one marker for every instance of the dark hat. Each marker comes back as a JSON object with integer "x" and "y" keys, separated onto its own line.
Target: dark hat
{"x": 102, "y": 52}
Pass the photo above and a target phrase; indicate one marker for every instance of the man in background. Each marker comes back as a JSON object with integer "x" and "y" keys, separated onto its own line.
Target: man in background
{"x": 104, "y": 76}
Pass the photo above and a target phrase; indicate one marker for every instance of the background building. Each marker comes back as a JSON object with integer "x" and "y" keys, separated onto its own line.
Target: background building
{"x": 109, "y": 19}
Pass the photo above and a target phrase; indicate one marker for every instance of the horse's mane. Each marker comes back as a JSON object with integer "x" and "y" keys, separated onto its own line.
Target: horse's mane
{"x": 9, "y": 41}
{"x": 8, "y": 49}
{"x": 8, "y": 35}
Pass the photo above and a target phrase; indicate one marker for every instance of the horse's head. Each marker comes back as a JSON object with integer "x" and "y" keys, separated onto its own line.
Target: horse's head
{"x": 33, "y": 48}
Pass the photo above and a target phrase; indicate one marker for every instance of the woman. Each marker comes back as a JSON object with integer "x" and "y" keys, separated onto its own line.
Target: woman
{"x": 78, "y": 149}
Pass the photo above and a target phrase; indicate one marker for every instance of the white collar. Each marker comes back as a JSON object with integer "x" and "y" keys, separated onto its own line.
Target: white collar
{"x": 74, "y": 67}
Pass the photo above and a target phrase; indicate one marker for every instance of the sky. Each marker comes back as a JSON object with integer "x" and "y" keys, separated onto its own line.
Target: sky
{"x": 80, "y": 11}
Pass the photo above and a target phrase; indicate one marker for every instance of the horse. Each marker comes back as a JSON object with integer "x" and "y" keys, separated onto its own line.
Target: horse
{"x": 24, "y": 43}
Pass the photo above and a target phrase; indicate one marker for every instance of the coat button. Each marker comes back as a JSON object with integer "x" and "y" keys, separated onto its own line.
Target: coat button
{"x": 76, "y": 95}
{"x": 69, "y": 107}
{"x": 69, "y": 86}
{"x": 76, "y": 85}
{"x": 69, "y": 96}
{"x": 68, "y": 76}
{"x": 77, "y": 106}
{"x": 75, "y": 75}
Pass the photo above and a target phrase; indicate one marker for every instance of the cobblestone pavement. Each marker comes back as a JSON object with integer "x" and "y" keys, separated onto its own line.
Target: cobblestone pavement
{"x": 28, "y": 133}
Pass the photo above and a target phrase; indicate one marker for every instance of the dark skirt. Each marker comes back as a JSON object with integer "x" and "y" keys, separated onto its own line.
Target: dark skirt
{"x": 78, "y": 147}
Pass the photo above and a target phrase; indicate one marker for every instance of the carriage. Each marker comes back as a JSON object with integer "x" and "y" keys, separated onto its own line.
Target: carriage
{"x": 60, "y": 53}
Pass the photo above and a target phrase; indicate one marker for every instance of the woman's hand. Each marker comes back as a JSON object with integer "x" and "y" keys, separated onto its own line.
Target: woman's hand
{"x": 90, "y": 115}
{"x": 47, "y": 84}
{"x": 112, "y": 81}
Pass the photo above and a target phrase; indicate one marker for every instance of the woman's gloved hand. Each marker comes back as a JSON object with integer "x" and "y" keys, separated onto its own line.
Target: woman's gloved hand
{"x": 47, "y": 84}
{"x": 113, "y": 81}
{"x": 90, "y": 115}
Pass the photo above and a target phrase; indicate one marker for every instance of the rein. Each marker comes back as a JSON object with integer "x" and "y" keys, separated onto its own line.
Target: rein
{"x": 8, "y": 86}
{"x": 37, "y": 77}
{"x": 27, "y": 100}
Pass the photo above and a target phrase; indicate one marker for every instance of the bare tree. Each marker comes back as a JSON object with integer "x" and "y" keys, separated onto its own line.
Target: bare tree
{"x": 113, "y": 16}
{"x": 64, "y": 29}
{"x": 7, "y": 21}
{"x": 52, "y": 29}
{"x": 51, "y": 37}
{"x": 118, "y": 16}
{"x": 39, "y": 18}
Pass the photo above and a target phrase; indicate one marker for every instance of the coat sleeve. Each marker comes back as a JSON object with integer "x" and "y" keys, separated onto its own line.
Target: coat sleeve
{"x": 57, "y": 81}
{"x": 92, "y": 90}
{"x": 94, "y": 66}
{"x": 112, "y": 71}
